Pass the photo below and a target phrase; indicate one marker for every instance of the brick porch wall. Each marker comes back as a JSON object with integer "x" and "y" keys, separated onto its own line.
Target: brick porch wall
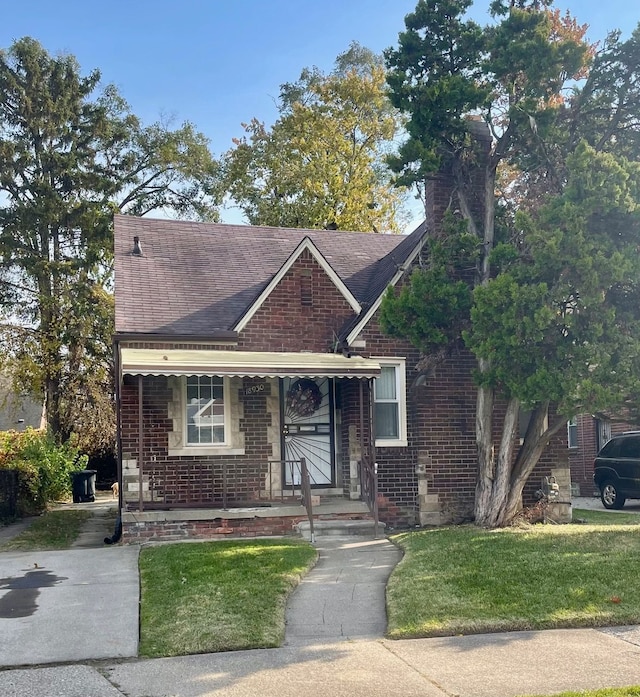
{"x": 189, "y": 478}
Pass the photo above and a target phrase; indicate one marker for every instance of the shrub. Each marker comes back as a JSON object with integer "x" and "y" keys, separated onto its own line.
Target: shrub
{"x": 44, "y": 467}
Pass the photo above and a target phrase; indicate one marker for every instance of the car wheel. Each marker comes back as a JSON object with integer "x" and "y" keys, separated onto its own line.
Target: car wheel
{"x": 610, "y": 496}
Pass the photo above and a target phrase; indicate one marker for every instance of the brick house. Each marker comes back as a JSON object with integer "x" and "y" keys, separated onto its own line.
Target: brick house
{"x": 242, "y": 352}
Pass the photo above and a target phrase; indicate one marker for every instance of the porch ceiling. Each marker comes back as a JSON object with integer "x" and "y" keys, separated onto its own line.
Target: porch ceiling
{"x": 245, "y": 364}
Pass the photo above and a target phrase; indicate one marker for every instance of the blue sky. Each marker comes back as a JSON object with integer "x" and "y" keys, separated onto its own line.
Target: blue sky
{"x": 218, "y": 63}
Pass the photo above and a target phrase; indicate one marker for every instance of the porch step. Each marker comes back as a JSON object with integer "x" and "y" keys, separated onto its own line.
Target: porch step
{"x": 340, "y": 528}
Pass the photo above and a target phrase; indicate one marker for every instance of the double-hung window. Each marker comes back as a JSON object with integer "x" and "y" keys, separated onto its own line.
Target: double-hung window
{"x": 390, "y": 404}
{"x": 205, "y": 402}
{"x": 572, "y": 433}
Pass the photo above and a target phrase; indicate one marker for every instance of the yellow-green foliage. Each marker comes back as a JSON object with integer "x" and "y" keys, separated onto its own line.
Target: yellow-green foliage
{"x": 43, "y": 467}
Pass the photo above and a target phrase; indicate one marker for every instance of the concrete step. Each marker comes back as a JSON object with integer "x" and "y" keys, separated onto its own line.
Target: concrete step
{"x": 340, "y": 528}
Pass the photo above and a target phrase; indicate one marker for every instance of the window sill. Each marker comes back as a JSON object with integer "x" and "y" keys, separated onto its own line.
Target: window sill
{"x": 199, "y": 451}
{"x": 391, "y": 444}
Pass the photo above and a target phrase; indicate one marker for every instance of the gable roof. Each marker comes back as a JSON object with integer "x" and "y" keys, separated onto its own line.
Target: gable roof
{"x": 200, "y": 279}
{"x": 308, "y": 245}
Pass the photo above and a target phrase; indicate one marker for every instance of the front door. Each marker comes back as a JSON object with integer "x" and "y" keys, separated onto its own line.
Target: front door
{"x": 307, "y": 429}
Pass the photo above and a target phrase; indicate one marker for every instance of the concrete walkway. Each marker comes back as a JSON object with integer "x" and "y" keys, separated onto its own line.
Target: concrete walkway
{"x": 344, "y": 595}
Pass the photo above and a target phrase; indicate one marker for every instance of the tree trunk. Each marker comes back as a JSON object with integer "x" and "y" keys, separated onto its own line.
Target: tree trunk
{"x": 490, "y": 509}
{"x": 502, "y": 483}
{"x": 484, "y": 444}
{"x": 535, "y": 441}
{"x": 512, "y": 475}
{"x": 50, "y": 329}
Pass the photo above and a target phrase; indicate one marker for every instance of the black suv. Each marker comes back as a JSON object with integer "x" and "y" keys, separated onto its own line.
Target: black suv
{"x": 616, "y": 470}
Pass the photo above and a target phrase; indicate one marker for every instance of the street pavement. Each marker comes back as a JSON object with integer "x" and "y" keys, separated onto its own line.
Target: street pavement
{"x": 333, "y": 645}
{"x": 489, "y": 665}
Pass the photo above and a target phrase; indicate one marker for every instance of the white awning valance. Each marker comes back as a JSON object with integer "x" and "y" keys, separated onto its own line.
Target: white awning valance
{"x": 244, "y": 364}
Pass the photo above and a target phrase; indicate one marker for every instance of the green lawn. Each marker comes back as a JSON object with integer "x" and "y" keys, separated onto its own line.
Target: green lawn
{"x": 466, "y": 580}
{"x": 633, "y": 691}
{"x": 217, "y": 596}
{"x": 52, "y": 530}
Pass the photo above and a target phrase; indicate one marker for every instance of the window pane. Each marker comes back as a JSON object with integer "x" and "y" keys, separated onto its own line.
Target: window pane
{"x": 205, "y": 435}
{"x": 387, "y": 420}
{"x": 386, "y": 383}
{"x": 192, "y": 393}
{"x": 630, "y": 447}
{"x": 611, "y": 449}
{"x": 572, "y": 433}
{"x": 205, "y": 410}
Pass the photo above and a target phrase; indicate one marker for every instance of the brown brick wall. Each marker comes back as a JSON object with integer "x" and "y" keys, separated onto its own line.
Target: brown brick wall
{"x": 290, "y": 320}
{"x": 193, "y": 479}
{"x": 441, "y": 432}
{"x": 166, "y": 531}
{"x": 215, "y": 529}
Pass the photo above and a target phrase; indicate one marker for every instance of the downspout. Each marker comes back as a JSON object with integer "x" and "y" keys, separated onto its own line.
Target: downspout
{"x": 372, "y": 446}
{"x": 362, "y": 450}
{"x": 118, "y": 377}
{"x": 117, "y": 533}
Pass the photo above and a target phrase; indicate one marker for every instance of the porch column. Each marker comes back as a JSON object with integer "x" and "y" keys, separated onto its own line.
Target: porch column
{"x": 140, "y": 442}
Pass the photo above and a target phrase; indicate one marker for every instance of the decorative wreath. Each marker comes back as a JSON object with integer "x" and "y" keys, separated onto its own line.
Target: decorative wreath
{"x": 304, "y": 397}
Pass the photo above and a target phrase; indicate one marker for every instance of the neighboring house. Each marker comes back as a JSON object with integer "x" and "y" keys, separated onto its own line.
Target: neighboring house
{"x": 586, "y": 435}
{"x": 18, "y": 411}
{"x": 241, "y": 350}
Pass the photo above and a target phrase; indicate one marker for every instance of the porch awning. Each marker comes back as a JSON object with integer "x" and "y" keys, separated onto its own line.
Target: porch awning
{"x": 245, "y": 364}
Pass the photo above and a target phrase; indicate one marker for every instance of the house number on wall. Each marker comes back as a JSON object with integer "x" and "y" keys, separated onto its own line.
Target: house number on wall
{"x": 254, "y": 389}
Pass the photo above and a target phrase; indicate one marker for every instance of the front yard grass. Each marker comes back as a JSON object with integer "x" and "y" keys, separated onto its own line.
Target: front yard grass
{"x": 52, "y": 530}
{"x": 632, "y": 691}
{"x": 466, "y": 580}
{"x": 217, "y": 596}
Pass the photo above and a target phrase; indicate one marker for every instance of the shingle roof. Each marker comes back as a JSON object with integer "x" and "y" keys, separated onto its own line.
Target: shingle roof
{"x": 200, "y": 278}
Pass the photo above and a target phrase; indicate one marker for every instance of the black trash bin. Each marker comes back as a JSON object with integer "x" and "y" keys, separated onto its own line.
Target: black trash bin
{"x": 83, "y": 486}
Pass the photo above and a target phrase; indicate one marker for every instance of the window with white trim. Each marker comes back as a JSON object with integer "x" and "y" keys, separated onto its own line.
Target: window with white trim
{"x": 390, "y": 403}
{"x": 205, "y": 410}
{"x": 572, "y": 433}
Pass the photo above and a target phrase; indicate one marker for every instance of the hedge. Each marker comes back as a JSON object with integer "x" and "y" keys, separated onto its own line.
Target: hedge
{"x": 44, "y": 467}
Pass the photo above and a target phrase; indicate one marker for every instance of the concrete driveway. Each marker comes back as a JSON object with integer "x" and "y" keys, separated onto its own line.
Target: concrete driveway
{"x": 593, "y": 503}
{"x": 71, "y": 605}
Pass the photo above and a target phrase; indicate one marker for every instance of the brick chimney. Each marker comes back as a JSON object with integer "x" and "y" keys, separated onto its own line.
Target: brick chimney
{"x": 440, "y": 194}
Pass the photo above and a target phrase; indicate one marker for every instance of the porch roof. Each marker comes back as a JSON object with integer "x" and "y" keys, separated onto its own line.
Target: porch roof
{"x": 244, "y": 364}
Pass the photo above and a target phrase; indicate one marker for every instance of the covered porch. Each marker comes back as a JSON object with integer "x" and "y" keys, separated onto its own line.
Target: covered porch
{"x": 251, "y": 443}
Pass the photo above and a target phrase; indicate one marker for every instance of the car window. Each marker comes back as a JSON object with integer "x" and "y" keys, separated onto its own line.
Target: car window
{"x": 630, "y": 447}
{"x": 610, "y": 449}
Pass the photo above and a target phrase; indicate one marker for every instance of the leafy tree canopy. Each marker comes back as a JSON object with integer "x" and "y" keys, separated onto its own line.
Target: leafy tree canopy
{"x": 536, "y": 132}
{"x": 321, "y": 164}
{"x": 71, "y": 154}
